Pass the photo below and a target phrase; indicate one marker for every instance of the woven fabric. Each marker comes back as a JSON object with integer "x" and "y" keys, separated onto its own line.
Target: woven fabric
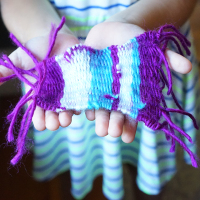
{"x": 106, "y": 78}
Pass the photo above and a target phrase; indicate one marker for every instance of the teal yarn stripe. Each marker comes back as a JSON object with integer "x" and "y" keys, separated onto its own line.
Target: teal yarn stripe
{"x": 135, "y": 94}
{"x": 99, "y": 70}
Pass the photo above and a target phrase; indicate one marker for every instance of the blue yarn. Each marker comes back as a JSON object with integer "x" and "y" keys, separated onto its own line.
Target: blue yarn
{"x": 135, "y": 93}
{"x": 101, "y": 79}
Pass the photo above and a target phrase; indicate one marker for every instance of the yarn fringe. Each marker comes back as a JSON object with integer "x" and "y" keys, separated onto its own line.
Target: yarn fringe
{"x": 160, "y": 40}
{"x": 31, "y": 95}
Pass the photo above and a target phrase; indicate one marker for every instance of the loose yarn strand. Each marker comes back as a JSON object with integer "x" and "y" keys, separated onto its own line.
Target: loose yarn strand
{"x": 181, "y": 39}
{"x": 16, "y": 71}
{"x": 161, "y": 44}
{"x": 4, "y": 79}
{"x": 166, "y": 37}
{"x": 176, "y": 127}
{"x": 184, "y": 113}
{"x": 54, "y": 36}
{"x": 20, "y": 140}
{"x": 168, "y": 71}
{"x": 172, "y": 93}
{"x": 175, "y": 41}
{"x": 14, "y": 39}
{"x": 161, "y": 30}
{"x": 172, "y": 149}
{"x": 21, "y": 102}
{"x": 22, "y": 71}
{"x": 10, "y": 136}
{"x": 27, "y": 118}
{"x": 194, "y": 162}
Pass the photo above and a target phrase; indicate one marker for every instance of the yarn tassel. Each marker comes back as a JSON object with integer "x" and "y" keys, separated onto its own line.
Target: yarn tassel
{"x": 166, "y": 36}
{"x": 22, "y": 102}
{"x": 176, "y": 127}
{"x": 26, "y": 121}
{"x": 192, "y": 156}
{"x": 168, "y": 71}
{"x": 183, "y": 113}
{"x": 17, "y": 109}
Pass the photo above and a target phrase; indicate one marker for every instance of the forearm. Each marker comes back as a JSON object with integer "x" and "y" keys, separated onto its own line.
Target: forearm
{"x": 29, "y": 18}
{"x": 150, "y": 14}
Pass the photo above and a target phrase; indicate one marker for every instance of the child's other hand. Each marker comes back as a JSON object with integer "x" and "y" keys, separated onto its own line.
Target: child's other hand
{"x": 38, "y": 46}
{"x": 117, "y": 33}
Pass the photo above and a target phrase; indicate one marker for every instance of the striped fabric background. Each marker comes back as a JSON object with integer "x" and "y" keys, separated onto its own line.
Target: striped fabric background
{"x": 79, "y": 149}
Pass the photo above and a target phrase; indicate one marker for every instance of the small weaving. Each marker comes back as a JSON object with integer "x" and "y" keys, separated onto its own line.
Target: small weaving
{"x": 127, "y": 78}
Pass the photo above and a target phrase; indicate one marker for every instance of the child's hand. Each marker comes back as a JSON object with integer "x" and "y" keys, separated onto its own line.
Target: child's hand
{"x": 117, "y": 33}
{"x": 38, "y": 46}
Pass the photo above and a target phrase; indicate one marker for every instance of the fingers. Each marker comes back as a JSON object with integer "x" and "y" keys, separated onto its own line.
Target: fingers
{"x": 102, "y": 122}
{"x": 20, "y": 60}
{"x": 129, "y": 130}
{"x": 4, "y": 72}
{"x": 116, "y": 124}
{"x": 65, "y": 118}
{"x": 76, "y": 112}
{"x": 177, "y": 62}
{"x": 51, "y": 120}
{"x": 90, "y": 114}
{"x": 39, "y": 119}
{"x": 121, "y": 125}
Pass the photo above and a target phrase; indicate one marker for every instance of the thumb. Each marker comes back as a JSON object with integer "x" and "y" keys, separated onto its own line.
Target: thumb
{"x": 11, "y": 64}
{"x": 177, "y": 62}
{"x": 5, "y": 68}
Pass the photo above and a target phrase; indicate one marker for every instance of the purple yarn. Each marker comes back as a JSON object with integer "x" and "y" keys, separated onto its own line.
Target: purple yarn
{"x": 183, "y": 113}
{"x": 53, "y": 35}
{"x": 152, "y": 46}
{"x": 173, "y": 126}
{"x": 52, "y": 89}
{"x": 45, "y": 77}
{"x": 192, "y": 156}
{"x": 116, "y": 76}
{"x": 14, "y": 39}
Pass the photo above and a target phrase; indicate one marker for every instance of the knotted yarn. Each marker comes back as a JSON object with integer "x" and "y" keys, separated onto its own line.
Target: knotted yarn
{"x": 128, "y": 78}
